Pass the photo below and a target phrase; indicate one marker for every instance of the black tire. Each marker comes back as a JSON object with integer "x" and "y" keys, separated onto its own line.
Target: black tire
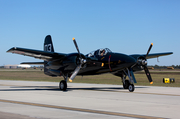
{"x": 63, "y": 85}
{"x": 131, "y": 87}
{"x": 126, "y": 85}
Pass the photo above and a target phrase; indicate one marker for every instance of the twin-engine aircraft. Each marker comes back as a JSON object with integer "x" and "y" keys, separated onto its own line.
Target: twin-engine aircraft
{"x": 96, "y": 62}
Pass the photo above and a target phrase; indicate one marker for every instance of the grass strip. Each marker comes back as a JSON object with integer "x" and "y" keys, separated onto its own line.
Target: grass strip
{"x": 37, "y": 75}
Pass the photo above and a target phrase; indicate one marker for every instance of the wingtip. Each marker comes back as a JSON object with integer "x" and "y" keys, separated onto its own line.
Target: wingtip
{"x": 13, "y": 48}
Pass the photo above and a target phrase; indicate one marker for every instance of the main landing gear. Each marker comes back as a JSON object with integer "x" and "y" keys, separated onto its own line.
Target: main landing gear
{"x": 128, "y": 84}
{"x": 63, "y": 83}
{"x": 131, "y": 88}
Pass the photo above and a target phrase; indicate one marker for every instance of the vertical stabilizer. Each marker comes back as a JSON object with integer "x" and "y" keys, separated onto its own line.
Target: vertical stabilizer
{"x": 48, "y": 45}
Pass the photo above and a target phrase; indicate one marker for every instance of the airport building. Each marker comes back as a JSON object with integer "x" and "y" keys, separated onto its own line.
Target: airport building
{"x": 16, "y": 66}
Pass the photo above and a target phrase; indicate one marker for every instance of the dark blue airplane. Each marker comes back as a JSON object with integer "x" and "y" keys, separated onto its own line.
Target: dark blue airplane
{"x": 96, "y": 62}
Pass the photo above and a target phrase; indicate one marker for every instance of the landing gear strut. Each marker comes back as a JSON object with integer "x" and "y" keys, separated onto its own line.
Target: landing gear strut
{"x": 126, "y": 84}
{"x": 63, "y": 83}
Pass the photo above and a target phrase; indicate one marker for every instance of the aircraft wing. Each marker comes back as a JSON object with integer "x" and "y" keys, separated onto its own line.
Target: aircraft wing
{"x": 153, "y": 55}
{"x": 44, "y": 55}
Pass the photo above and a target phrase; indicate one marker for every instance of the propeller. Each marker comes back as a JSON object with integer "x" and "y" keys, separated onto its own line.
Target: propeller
{"x": 143, "y": 62}
{"x": 145, "y": 66}
{"x": 82, "y": 61}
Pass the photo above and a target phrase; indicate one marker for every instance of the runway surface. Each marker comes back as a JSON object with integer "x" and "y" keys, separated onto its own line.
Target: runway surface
{"x": 43, "y": 100}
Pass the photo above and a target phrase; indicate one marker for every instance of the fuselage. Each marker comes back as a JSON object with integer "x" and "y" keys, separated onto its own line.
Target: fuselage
{"x": 96, "y": 63}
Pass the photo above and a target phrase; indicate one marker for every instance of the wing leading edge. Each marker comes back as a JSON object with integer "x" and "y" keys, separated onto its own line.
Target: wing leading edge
{"x": 44, "y": 55}
{"x": 153, "y": 55}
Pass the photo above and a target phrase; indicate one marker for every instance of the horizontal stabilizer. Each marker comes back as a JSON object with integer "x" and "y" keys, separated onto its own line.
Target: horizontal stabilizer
{"x": 33, "y": 63}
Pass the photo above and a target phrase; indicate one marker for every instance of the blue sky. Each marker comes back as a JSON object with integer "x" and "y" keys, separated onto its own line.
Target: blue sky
{"x": 125, "y": 26}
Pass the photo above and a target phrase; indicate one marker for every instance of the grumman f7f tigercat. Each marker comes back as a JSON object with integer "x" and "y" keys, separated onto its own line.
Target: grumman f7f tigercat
{"x": 97, "y": 62}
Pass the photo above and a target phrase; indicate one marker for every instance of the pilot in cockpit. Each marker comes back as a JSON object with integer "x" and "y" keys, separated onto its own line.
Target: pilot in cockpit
{"x": 102, "y": 52}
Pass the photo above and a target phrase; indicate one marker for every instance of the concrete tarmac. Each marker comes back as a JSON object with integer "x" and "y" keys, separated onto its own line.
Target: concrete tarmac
{"x": 43, "y": 100}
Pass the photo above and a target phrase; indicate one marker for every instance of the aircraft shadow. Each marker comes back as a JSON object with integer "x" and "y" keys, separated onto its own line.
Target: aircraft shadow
{"x": 55, "y": 88}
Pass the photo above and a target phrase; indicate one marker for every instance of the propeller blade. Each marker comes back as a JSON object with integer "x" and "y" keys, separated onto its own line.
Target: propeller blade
{"x": 82, "y": 61}
{"x": 148, "y": 74}
{"x": 76, "y": 47}
{"x": 149, "y": 49}
{"x": 75, "y": 72}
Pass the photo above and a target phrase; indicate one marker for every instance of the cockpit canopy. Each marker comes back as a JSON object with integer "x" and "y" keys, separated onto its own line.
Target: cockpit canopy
{"x": 99, "y": 52}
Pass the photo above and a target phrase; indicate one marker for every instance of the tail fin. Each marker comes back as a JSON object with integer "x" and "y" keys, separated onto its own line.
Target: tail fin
{"x": 48, "y": 45}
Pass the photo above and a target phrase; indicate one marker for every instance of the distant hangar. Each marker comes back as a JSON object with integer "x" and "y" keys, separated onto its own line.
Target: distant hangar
{"x": 17, "y": 66}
